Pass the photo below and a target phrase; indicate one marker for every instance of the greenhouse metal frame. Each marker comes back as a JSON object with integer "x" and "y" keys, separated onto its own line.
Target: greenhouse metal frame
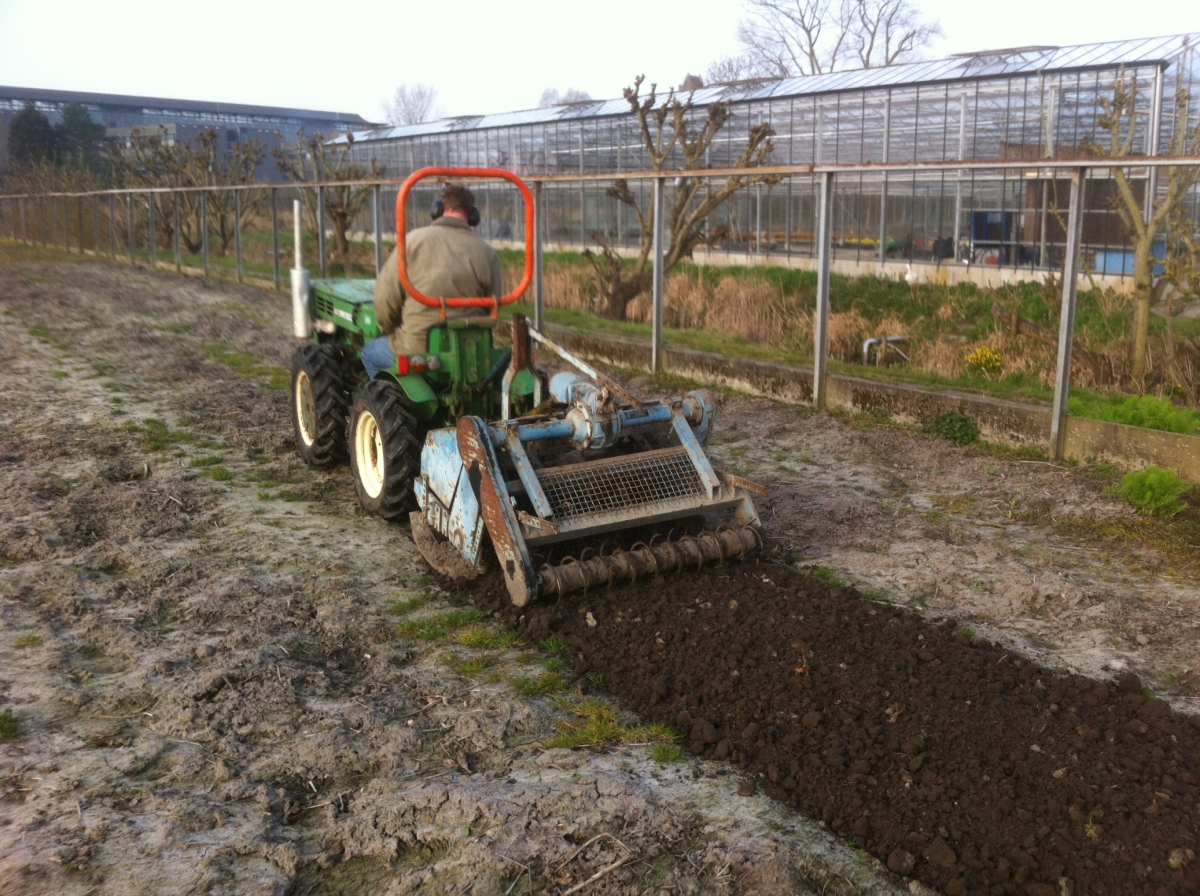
{"x": 1027, "y": 103}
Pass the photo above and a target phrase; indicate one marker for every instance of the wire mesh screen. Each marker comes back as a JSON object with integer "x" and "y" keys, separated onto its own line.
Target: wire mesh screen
{"x": 620, "y": 483}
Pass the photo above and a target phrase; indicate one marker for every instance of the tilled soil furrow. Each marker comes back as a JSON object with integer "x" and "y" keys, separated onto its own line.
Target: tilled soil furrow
{"x": 949, "y": 758}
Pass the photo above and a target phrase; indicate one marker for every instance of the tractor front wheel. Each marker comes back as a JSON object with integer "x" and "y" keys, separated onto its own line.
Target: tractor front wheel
{"x": 385, "y": 449}
{"x": 319, "y": 404}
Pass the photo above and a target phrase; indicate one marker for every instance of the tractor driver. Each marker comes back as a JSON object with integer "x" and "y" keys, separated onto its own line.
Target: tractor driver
{"x": 444, "y": 260}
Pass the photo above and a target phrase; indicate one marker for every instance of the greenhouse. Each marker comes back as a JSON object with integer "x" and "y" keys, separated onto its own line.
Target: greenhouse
{"x": 1027, "y": 103}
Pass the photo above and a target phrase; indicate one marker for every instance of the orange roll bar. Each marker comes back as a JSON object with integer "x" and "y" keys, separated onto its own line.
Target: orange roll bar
{"x": 475, "y": 174}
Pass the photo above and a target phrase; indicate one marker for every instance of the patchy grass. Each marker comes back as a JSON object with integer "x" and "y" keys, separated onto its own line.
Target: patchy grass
{"x": 219, "y": 474}
{"x": 29, "y": 639}
{"x": 824, "y": 573}
{"x": 210, "y": 461}
{"x": 434, "y": 628}
{"x": 487, "y": 638}
{"x": 553, "y": 646}
{"x": 1149, "y": 411}
{"x": 158, "y": 436}
{"x": 666, "y": 753}
{"x": 598, "y": 680}
{"x": 10, "y": 726}
{"x": 546, "y": 683}
{"x": 403, "y": 607}
{"x": 472, "y": 667}
{"x": 596, "y": 722}
{"x": 274, "y": 376}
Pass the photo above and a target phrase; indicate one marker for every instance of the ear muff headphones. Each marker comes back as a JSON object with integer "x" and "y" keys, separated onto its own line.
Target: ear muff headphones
{"x": 439, "y": 208}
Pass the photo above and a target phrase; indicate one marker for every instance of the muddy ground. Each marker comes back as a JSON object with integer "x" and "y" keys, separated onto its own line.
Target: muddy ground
{"x": 229, "y": 680}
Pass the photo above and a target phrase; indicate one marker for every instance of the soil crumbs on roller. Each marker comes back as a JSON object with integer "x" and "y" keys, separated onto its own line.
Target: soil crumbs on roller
{"x": 946, "y": 756}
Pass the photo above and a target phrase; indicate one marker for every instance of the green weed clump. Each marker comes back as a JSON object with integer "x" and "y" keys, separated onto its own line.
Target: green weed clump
{"x": 434, "y": 628}
{"x": 30, "y": 639}
{"x": 666, "y": 753}
{"x": 546, "y": 683}
{"x": 486, "y": 638}
{"x": 408, "y": 605}
{"x": 1147, "y": 411}
{"x": 953, "y": 425}
{"x": 1154, "y": 491}
{"x": 10, "y": 726}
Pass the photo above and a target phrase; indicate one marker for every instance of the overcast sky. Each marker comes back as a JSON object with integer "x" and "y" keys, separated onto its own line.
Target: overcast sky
{"x": 481, "y": 56}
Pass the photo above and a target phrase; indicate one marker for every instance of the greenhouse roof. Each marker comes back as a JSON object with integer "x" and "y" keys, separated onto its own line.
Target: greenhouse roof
{"x": 960, "y": 67}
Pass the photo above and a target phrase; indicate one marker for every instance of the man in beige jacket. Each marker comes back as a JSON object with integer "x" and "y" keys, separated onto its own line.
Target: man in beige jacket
{"x": 444, "y": 260}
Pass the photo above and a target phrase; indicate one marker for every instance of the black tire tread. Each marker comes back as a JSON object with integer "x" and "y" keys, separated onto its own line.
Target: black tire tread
{"x": 402, "y": 436}
{"x": 327, "y": 371}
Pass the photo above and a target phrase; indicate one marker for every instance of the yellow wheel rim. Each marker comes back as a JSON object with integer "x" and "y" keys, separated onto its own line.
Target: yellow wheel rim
{"x": 368, "y": 455}
{"x": 306, "y": 409}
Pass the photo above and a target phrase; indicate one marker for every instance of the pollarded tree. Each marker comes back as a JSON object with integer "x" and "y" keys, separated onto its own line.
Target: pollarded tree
{"x": 668, "y": 128}
{"x": 314, "y": 160}
{"x": 1119, "y": 119}
{"x": 155, "y": 160}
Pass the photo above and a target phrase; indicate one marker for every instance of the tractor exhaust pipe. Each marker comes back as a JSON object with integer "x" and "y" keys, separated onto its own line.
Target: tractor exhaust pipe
{"x": 302, "y": 322}
{"x": 649, "y": 560}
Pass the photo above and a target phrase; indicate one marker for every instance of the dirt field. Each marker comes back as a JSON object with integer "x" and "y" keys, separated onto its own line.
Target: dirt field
{"x": 230, "y": 680}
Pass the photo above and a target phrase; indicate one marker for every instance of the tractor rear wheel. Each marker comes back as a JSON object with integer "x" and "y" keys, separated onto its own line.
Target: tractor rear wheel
{"x": 385, "y": 449}
{"x": 320, "y": 404}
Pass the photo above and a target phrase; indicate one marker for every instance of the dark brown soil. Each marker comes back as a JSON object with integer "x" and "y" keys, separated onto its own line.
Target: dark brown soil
{"x": 953, "y": 761}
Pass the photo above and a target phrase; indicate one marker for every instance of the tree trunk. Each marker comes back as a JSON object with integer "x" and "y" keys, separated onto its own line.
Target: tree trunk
{"x": 1143, "y": 289}
{"x": 341, "y": 243}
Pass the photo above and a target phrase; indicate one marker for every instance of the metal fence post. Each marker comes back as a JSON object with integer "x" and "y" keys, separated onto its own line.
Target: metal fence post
{"x": 175, "y": 230}
{"x": 129, "y": 215}
{"x": 112, "y": 226}
{"x": 539, "y": 282}
{"x": 237, "y": 233}
{"x": 275, "y": 235}
{"x": 24, "y": 233}
{"x": 204, "y": 228}
{"x": 656, "y": 345}
{"x": 824, "y": 259}
{"x": 377, "y": 217}
{"x": 95, "y": 225}
{"x": 1066, "y": 320}
{"x": 79, "y": 220}
{"x": 758, "y": 219}
{"x": 152, "y": 230}
{"x": 321, "y": 231}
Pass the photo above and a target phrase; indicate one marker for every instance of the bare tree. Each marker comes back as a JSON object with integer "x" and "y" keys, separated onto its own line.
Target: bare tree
{"x": 786, "y": 38}
{"x": 314, "y": 160}
{"x": 728, "y": 69}
{"x": 1120, "y": 119}
{"x": 412, "y": 105}
{"x": 155, "y": 160}
{"x": 551, "y": 97}
{"x": 668, "y": 128}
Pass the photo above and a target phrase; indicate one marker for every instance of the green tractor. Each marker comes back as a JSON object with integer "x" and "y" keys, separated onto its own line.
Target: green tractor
{"x": 459, "y": 437}
{"x": 380, "y": 423}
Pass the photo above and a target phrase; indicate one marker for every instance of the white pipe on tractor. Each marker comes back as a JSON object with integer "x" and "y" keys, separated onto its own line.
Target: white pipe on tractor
{"x": 302, "y": 322}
